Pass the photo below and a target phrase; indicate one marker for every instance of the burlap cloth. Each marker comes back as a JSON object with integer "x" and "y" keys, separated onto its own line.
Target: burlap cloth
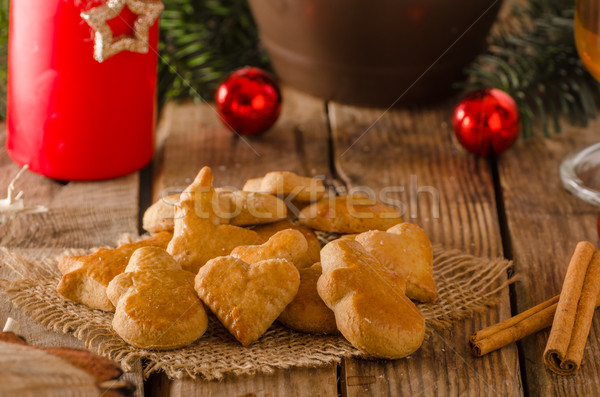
{"x": 465, "y": 284}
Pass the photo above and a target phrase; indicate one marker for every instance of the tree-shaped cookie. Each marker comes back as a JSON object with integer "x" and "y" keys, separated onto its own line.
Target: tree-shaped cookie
{"x": 406, "y": 250}
{"x": 156, "y": 305}
{"x": 199, "y": 235}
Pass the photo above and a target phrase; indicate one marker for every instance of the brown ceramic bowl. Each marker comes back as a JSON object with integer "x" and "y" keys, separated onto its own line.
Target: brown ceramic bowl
{"x": 373, "y": 52}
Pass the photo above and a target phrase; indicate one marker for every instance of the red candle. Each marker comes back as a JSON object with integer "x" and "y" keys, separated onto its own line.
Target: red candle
{"x": 81, "y": 101}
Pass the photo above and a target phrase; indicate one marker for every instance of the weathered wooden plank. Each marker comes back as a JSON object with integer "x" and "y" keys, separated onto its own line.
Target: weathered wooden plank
{"x": 545, "y": 223}
{"x": 81, "y": 214}
{"x": 194, "y": 137}
{"x": 317, "y": 382}
{"x": 412, "y": 152}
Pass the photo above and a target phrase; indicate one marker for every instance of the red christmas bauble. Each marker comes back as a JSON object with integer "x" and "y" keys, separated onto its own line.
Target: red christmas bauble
{"x": 249, "y": 101}
{"x": 486, "y": 120}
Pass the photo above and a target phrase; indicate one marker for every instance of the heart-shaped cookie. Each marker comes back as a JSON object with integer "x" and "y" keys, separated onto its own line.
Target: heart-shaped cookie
{"x": 247, "y": 298}
{"x": 406, "y": 250}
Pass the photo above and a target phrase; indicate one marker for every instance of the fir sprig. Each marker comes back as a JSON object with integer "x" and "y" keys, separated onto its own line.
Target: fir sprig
{"x": 203, "y": 41}
{"x": 536, "y": 62}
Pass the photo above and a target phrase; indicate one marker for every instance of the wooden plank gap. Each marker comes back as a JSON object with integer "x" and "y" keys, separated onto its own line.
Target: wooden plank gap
{"x": 342, "y": 387}
{"x": 508, "y": 254}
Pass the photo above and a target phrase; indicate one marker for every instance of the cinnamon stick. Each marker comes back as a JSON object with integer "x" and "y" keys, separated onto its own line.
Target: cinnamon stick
{"x": 515, "y": 328}
{"x": 574, "y": 313}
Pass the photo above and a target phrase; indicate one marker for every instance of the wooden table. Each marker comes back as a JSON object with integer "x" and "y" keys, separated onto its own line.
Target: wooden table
{"x": 514, "y": 207}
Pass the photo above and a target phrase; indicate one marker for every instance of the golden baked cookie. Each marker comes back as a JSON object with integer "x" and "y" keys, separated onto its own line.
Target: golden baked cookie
{"x": 287, "y": 244}
{"x": 85, "y": 278}
{"x": 160, "y": 216}
{"x": 233, "y": 207}
{"x": 250, "y": 208}
{"x": 289, "y": 185}
{"x": 253, "y": 185}
{"x": 369, "y": 310}
{"x": 265, "y": 232}
{"x": 199, "y": 235}
{"x": 406, "y": 250}
{"x": 247, "y": 298}
{"x": 156, "y": 305}
{"x": 307, "y": 312}
{"x": 349, "y": 214}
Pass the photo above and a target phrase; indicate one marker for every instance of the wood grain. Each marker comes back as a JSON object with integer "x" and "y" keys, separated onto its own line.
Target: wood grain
{"x": 317, "y": 382}
{"x": 412, "y": 152}
{"x": 192, "y": 136}
{"x": 545, "y": 223}
{"x": 81, "y": 214}
{"x": 29, "y": 371}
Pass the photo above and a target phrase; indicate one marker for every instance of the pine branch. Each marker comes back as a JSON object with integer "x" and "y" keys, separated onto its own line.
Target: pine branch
{"x": 202, "y": 42}
{"x": 536, "y": 62}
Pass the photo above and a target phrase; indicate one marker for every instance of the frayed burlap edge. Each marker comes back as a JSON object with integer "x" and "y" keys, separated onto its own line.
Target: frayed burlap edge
{"x": 465, "y": 285}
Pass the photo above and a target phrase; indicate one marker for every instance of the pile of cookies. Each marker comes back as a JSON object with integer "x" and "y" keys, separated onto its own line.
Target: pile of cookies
{"x": 245, "y": 257}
